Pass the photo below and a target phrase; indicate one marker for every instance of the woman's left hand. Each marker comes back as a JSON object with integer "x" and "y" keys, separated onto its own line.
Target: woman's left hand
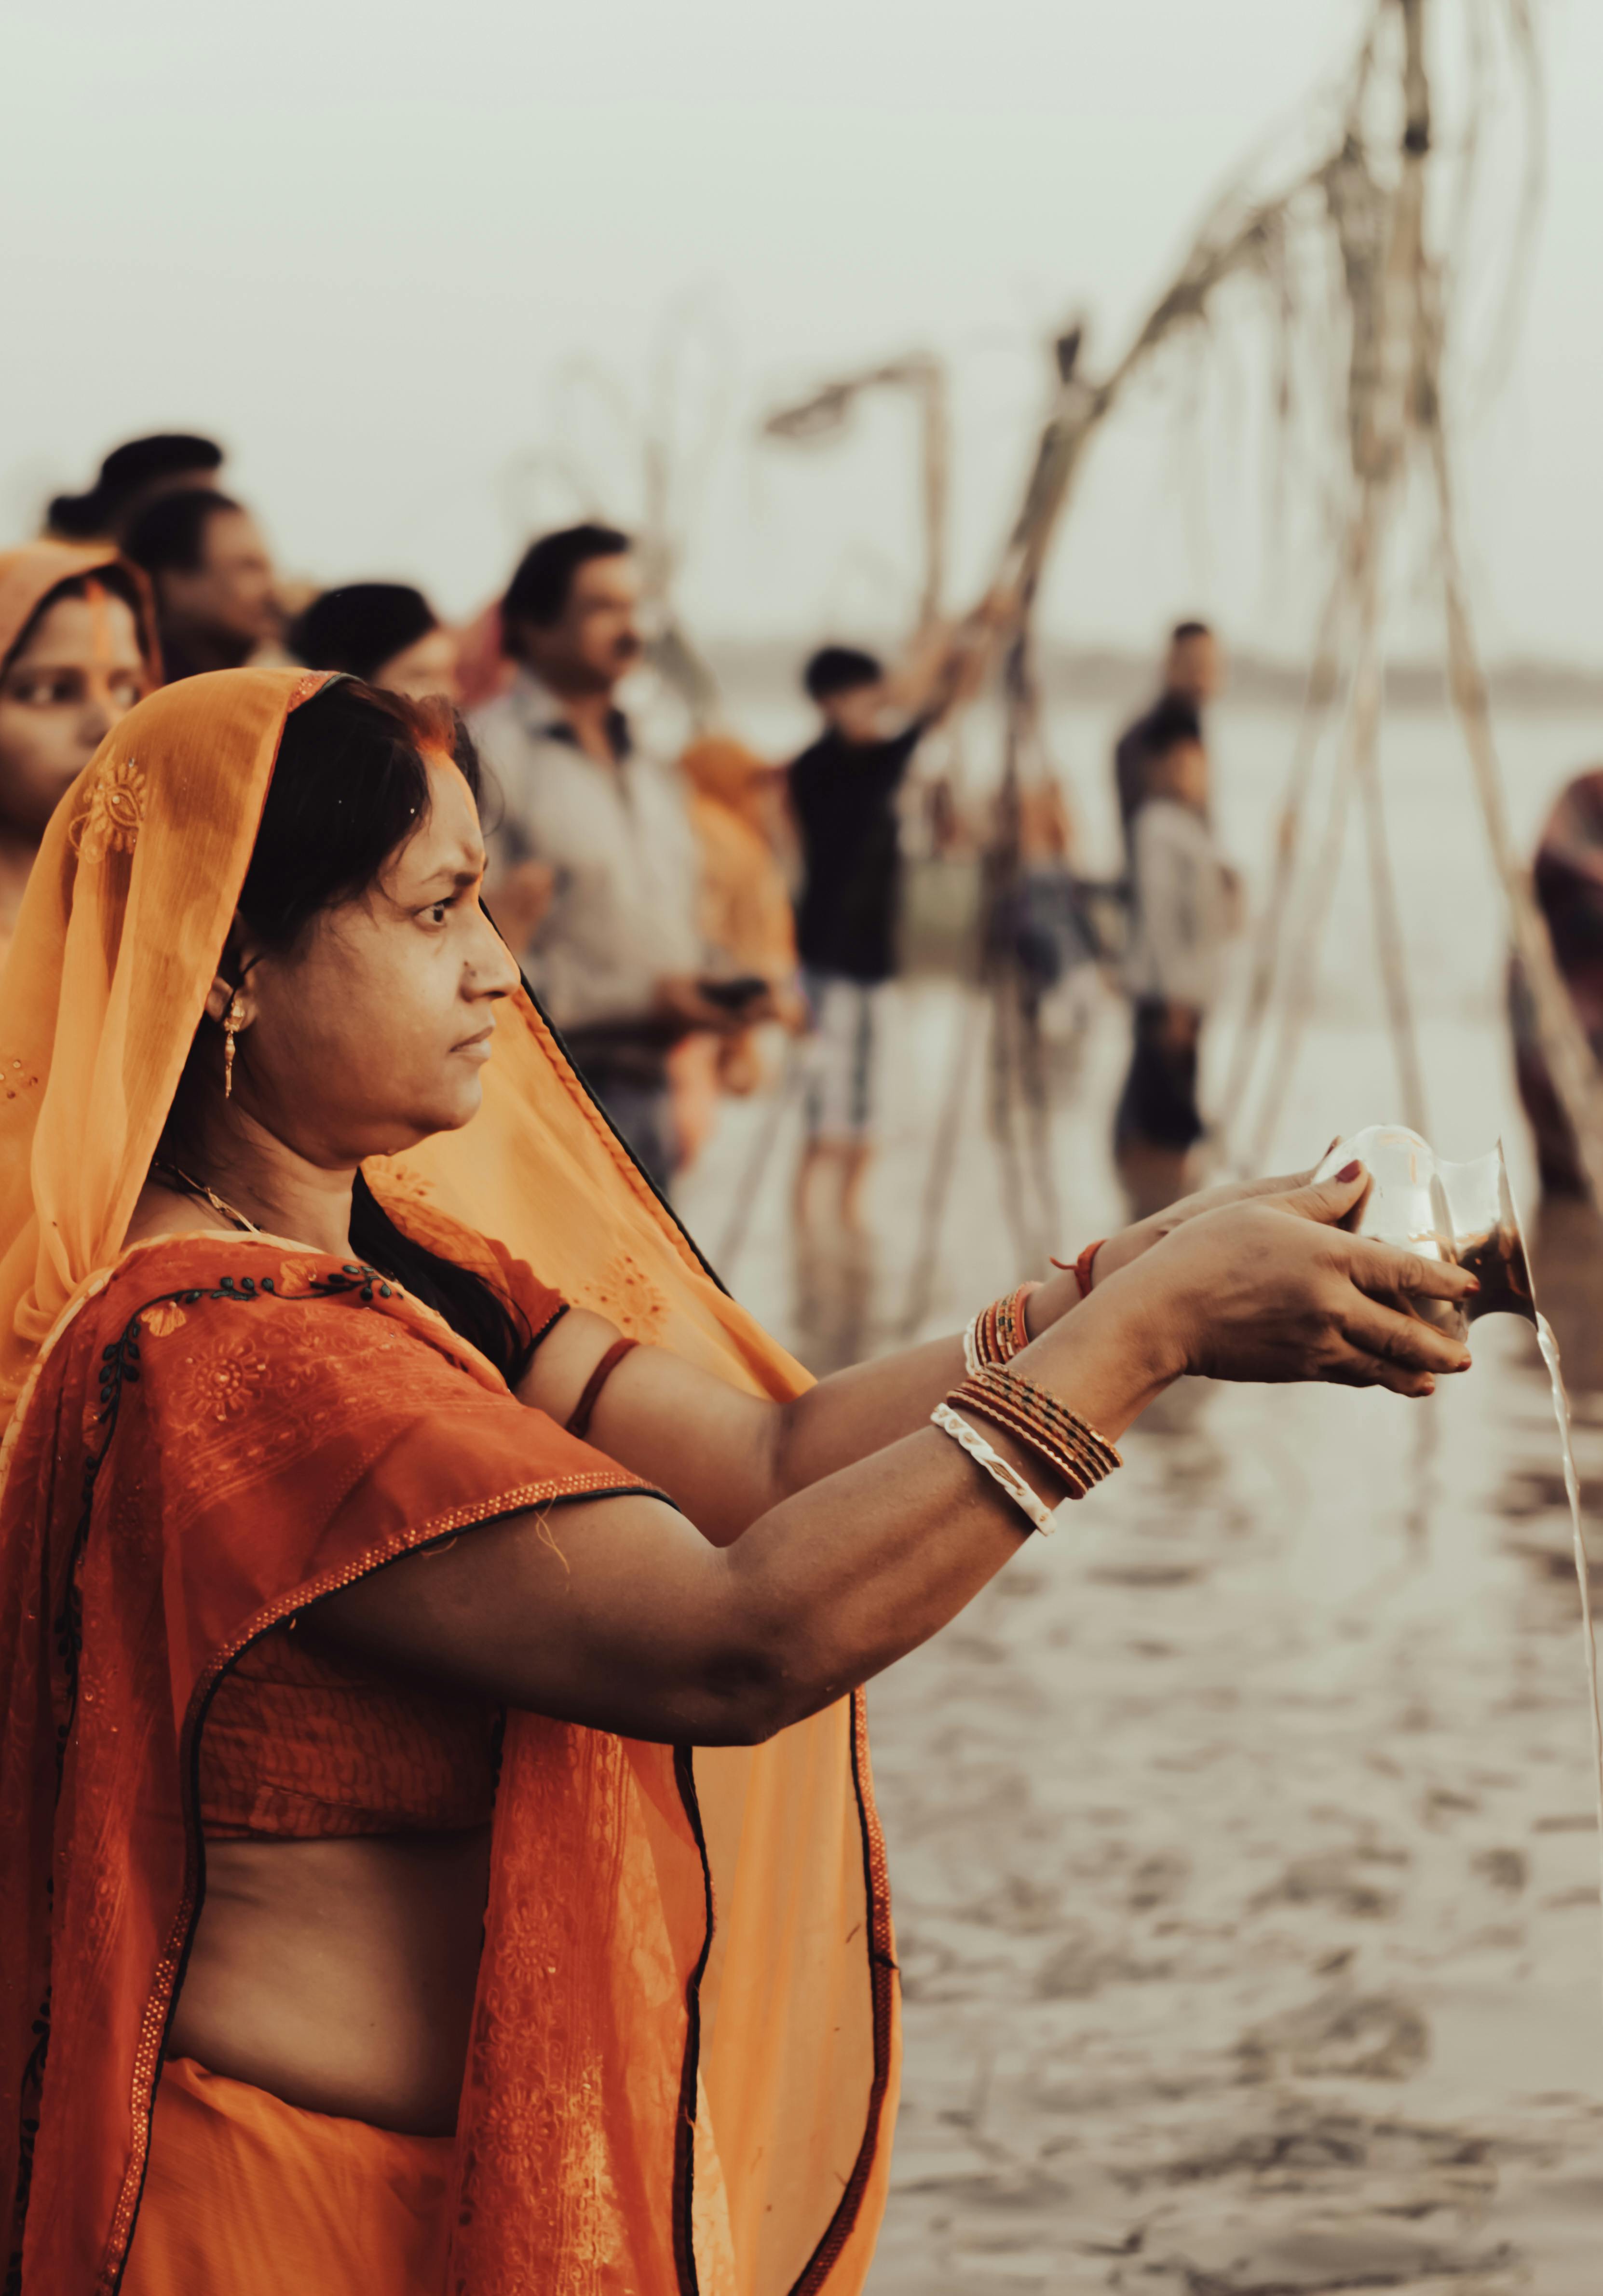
{"x": 1061, "y": 1292}
{"x": 1130, "y": 1242}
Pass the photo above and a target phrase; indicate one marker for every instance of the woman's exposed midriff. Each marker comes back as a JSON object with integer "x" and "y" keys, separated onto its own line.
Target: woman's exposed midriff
{"x": 345, "y": 1821}
{"x": 338, "y": 1975}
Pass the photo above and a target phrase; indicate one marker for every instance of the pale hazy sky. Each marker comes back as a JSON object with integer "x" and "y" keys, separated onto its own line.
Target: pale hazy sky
{"x": 361, "y": 246}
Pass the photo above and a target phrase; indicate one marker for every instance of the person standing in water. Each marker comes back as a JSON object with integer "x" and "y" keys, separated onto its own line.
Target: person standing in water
{"x": 843, "y": 794}
{"x": 1182, "y": 913}
{"x": 78, "y": 649}
{"x": 1193, "y": 672}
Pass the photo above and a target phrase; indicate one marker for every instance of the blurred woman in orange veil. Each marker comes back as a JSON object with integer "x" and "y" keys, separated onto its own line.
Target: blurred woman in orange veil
{"x": 440, "y": 1851}
{"x": 77, "y": 647}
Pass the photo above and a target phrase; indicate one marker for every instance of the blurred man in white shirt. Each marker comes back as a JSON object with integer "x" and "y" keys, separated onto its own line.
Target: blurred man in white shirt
{"x": 593, "y": 861}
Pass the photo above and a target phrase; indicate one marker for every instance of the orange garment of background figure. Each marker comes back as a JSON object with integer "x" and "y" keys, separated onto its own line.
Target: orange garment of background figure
{"x": 745, "y": 915}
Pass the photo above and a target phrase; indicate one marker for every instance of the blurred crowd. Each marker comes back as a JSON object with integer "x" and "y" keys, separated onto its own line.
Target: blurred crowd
{"x": 669, "y": 910}
{"x": 675, "y": 911}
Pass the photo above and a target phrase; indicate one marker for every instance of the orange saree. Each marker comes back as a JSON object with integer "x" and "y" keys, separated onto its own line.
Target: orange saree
{"x": 683, "y": 2063}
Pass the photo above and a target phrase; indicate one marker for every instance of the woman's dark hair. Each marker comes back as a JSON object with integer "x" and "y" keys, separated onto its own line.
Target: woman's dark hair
{"x": 1174, "y": 723}
{"x": 118, "y": 582}
{"x": 361, "y": 625}
{"x": 128, "y": 472}
{"x": 348, "y": 789}
{"x": 170, "y": 532}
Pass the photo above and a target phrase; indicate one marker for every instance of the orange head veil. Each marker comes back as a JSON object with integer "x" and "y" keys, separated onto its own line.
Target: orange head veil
{"x": 121, "y": 933}
{"x": 28, "y": 576}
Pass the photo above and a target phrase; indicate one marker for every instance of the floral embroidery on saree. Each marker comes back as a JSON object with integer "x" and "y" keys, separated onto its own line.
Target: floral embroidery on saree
{"x": 110, "y": 821}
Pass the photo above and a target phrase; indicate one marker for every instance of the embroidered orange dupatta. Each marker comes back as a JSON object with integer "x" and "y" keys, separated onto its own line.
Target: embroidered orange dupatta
{"x": 683, "y": 2066}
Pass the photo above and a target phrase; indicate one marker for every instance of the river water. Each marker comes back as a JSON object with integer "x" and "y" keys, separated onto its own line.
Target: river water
{"x": 1243, "y": 1838}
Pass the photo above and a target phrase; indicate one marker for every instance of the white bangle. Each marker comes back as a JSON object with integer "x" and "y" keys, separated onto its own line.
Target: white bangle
{"x": 1007, "y": 1477}
{"x": 970, "y": 1353}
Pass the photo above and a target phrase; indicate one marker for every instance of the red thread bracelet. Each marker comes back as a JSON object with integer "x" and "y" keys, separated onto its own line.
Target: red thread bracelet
{"x": 1082, "y": 1266}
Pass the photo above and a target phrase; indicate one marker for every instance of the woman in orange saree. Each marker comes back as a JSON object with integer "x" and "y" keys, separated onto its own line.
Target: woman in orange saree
{"x": 77, "y": 647}
{"x": 441, "y": 1846}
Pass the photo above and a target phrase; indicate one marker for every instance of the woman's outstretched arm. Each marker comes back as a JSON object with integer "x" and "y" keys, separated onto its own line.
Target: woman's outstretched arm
{"x": 616, "y": 1614}
{"x": 727, "y": 1458}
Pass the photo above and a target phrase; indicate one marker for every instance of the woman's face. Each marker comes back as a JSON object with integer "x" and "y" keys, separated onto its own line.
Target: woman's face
{"x": 79, "y": 672}
{"x": 427, "y": 668}
{"x": 372, "y": 1033}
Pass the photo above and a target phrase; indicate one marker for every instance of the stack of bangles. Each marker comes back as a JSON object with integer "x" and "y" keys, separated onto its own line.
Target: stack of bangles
{"x": 1058, "y": 1437}
{"x": 999, "y": 1332}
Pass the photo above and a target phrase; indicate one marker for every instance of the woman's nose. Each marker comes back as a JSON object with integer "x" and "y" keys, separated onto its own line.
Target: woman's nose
{"x": 97, "y": 720}
{"x": 495, "y": 969}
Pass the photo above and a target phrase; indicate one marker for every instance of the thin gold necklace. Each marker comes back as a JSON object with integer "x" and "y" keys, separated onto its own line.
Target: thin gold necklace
{"x": 199, "y": 1188}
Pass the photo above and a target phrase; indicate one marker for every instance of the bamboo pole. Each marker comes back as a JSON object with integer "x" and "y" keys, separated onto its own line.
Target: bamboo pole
{"x": 1383, "y": 888}
{"x": 1323, "y": 680}
{"x": 824, "y": 413}
{"x": 1297, "y": 1001}
{"x": 934, "y": 459}
{"x": 1563, "y": 1041}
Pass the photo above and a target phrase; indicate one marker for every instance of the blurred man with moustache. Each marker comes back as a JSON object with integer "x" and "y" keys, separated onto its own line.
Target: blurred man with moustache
{"x": 594, "y": 869}
{"x": 216, "y": 597}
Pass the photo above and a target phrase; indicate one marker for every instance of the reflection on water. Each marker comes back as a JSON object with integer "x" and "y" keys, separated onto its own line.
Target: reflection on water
{"x": 1243, "y": 1837}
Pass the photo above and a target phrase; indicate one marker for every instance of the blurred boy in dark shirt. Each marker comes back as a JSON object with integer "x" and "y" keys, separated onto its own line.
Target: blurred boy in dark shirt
{"x": 843, "y": 794}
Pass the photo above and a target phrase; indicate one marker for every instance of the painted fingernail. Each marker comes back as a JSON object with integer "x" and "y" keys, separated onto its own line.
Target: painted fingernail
{"x": 1430, "y": 1384}
{"x": 1474, "y": 1283}
{"x": 1349, "y": 1171}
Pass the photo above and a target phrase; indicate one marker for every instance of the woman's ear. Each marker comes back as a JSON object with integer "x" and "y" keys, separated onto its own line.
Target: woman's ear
{"x": 241, "y": 954}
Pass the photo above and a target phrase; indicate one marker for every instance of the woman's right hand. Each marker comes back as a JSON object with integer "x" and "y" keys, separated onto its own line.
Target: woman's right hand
{"x": 1274, "y": 1290}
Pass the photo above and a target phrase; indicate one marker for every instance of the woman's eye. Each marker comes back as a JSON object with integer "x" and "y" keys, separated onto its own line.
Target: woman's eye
{"x": 49, "y": 690}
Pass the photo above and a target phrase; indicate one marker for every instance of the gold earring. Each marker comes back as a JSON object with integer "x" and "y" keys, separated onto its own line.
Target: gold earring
{"x": 231, "y": 1028}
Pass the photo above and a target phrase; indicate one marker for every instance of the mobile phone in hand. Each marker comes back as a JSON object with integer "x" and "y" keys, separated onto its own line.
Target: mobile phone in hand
{"x": 746, "y": 989}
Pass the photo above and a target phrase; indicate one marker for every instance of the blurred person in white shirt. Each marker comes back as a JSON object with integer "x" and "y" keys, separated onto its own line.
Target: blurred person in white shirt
{"x": 1184, "y": 903}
